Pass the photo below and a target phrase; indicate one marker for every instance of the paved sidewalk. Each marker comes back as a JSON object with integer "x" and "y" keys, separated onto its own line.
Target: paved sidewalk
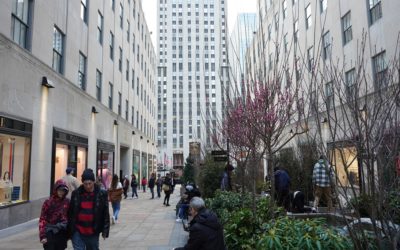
{"x": 144, "y": 224}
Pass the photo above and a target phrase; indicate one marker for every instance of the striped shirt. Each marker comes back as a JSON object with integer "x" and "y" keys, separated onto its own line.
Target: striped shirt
{"x": 321, "y": 176}
{"x": 85, "y": 221}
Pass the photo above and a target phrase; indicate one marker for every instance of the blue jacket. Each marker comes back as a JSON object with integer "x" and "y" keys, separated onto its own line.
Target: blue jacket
{"x": 282, "y": 180}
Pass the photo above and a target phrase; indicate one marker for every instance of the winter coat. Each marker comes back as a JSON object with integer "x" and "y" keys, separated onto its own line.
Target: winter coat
{"x": 167, "y": 181}
{"x": 282, "y": 180}
{"x": 134, "y": 183}
{"x": 115, "y": 194}
{"x": 205, "y": 232}
{"x": 152, "y": 182}
{"x": 126, "y": 183}
{"x": 101, "y": 213}
{"x": 144, "y": 182}
{"x": 54, "y": 214}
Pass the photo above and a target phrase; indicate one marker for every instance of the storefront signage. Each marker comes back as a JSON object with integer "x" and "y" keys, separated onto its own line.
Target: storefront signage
{"x": 105, "y": 146}
{"x": 70, "y": 139}
{"x": 15, "y": 125}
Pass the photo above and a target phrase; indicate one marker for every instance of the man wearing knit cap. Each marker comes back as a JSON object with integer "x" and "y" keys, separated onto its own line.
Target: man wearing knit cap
{"x": 88, "y": 214}
{"x": 71, "y": 181}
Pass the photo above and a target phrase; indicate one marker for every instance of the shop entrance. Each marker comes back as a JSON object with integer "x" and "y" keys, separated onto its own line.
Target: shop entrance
{"x": 70, "y": 151}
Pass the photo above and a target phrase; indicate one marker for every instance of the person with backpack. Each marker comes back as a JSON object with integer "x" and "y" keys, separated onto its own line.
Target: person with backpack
{"x": 167, "y": 188}
{"x": 115, "y": 193}
{"x": 134, "y": 185}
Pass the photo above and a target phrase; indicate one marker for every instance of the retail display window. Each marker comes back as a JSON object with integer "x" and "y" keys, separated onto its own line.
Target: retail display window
{"x": 70, "y": 151}
{"x": 15, "y": 148}
{"x": 105, "y": 163}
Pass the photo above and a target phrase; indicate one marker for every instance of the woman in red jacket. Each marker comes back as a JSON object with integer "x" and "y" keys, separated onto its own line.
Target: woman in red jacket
{"x": 54, "y": 218}
{"x": 144, "y": 184}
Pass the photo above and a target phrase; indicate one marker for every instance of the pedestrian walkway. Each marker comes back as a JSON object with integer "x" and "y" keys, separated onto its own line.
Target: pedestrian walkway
{"x": 144, "y": 224}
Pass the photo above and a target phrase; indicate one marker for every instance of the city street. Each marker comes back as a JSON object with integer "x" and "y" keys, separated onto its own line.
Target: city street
{"x": 144, "y": 224}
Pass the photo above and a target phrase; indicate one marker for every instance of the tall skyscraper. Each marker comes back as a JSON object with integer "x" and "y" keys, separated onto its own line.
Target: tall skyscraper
{"x": 240, "y": 40}
{"x": 192, "y": 79}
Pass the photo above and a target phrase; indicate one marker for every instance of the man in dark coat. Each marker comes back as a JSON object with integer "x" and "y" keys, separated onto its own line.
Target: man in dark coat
{"x": 282, "y": 186}
{"x": 88, "y": 215}
{"x": 205, "y": 231}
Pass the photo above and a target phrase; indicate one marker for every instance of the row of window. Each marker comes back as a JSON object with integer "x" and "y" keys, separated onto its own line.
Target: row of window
{"x": 21, "y": 19}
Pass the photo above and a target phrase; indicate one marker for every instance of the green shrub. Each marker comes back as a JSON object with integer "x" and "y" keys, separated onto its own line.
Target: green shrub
{"x": 239, "y": 231}
{"x": 286, "y": 233}
{"x": 225, "y": 203}
{"x": 210, "y": 175}
{"x": 362, "y": 204}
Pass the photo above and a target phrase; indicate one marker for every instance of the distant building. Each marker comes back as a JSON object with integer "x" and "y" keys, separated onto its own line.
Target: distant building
{"x": 192, "y": 74}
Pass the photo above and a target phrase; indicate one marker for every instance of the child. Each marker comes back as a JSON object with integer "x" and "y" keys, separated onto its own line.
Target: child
{"x": 54, "y": 218}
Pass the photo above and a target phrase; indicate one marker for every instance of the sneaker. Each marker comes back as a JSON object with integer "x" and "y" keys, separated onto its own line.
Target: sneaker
{"x": 314, "y": 210}
{"x": 178, "y": 220}
{"x": 167, "y": 205}
{"x": 113, "y": 220}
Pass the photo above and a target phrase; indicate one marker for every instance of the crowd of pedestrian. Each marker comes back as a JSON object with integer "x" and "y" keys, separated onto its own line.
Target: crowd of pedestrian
{"x": 79, "y": 210}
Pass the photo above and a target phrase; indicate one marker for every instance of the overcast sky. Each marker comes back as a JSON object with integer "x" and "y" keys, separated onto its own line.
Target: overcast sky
{"x": 234, "y": 7}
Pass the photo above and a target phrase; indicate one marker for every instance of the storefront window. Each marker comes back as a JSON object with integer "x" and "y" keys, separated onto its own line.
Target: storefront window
{"x": 105, "y": 163}
{"x": 14, "y": 168}
{"x": 69, "y": 156}
{"x": 136, "y": 163}
{"x": 150, "y": 163}
{"x": 143, "y": 172}
{"x": 70, "y": 152}
{"x": 346, "y": 158}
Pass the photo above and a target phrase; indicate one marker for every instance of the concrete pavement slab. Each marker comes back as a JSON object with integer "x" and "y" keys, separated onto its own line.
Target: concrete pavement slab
{"x": 143, "y": 224}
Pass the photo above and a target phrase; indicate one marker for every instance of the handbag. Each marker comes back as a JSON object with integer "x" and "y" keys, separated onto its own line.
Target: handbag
{"x": 165, "y": 187}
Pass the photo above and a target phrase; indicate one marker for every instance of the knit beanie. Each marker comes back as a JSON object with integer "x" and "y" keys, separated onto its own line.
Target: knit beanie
{"x": 88, "y": 175}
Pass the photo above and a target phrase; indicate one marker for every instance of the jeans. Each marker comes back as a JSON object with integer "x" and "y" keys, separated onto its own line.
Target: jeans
{"x": 144, "y": 188}
{"x": 134, "y": 192}
{"x": 166, "y": 198}
{"x": 80, "y": 242}
{"x": 116, "y": 206}
{"x": 152, "y": 192}
{"x": 183, "y": 211}
{"x": 158, "y": 191}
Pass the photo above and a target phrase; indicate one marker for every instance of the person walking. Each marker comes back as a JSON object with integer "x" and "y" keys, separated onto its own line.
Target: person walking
{"x": 54, "y": 218}
{"x": 88, "y": 214}
{"x": 159, "y": 182}
{"x": 205, "y": 230}
{"x": 322, "y": 179}
{"x": 134, "y": 185}
{"x": 126, "y": 186}
{"x": 115, "y": 194}
{"x": 282, "y": 186}
{"x": 167, "y": 188}
{"x": 144, "y": 184}
{"x": 151, "y": 184}
{"x": 71, "y": 181}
